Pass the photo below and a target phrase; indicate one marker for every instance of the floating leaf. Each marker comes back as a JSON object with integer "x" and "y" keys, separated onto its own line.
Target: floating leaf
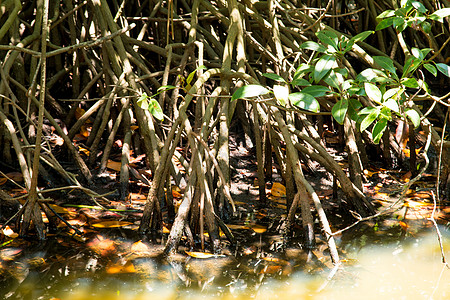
{"x": 247, "y": 91}
{"x": 117, "y": 268}
{"x": 9, "y": 232}
{"x": 111, "y": 224}
{"x": 278, "y": 190}
{"x": 58, "y": 209}
{"x": 202, "y": 255}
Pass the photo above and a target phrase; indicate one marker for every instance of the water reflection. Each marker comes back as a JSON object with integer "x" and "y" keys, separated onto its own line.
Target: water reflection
{"x": 409, "y": 267}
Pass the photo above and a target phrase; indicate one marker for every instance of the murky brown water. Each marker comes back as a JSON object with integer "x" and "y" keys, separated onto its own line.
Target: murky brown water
{"x": 410, "y": 269}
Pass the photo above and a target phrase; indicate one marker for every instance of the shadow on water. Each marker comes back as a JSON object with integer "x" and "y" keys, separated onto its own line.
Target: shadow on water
{"x": 378, "y": 262}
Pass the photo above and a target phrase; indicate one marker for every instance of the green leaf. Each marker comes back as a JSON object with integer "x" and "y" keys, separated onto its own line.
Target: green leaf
{"x": 413, "y": 116}
{"x": 369, "y": 75}
{"x": 353, "y": 106}
{"x": 399, "y": 24}
{"x": 378, "y": 130}
{"x": 385, "y": 23}
{"x": 357, "y": 38}
{"x": 385, "y": 63}
{"x": 444, "y": 69}
{"x": 410, "y": 82}
{"x": 411, "y": 64}
{"x": 300, "y": 82}
{"x": 323, "y": 66}
{"x": 373, "y": 92}
{"x": 274, "y": 76}
{"x": 339, "y": 110}
{"x": 440, "y": 14}
{"x": 417, "y": 53}
{"x": 426, "y": 27}
{"x": 304, "y": 101}
{"x": 281, "y": 93}
{"x": 393, "y": 93}
{"x": 369, "y": 119}
{"x": 328, "y": 38}
{"x": 419, "y": 6}
{"x": 166, "y": 87}
{"x": 191, "y": 76}
{"x": 316, "y": 90}
{"x": 155, "y": 109}
{"x": 334, "y": 79}
{"x": 251, "y": 90}
{"x": 386, "y": 14}
{"x": 392, "y": 105}
{"x": 143, "y": 101}
{"x": 310, "y": 45}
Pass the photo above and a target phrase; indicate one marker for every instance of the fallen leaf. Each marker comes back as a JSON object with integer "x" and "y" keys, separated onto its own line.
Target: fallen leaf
{"x": 278, "y": 190}
{"x": 111, "y": 224}
{"x": 258, "y": 228}
{"x": 202, "y": 255}
{"x": 121, "y": 269}
{"x": 9, "y": 232}
{"x": 114, "y": 165}
{"x": 271, "y": 270}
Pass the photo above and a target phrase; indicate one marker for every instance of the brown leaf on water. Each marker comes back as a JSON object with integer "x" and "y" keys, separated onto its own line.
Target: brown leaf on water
{"x": 102, "y": 245}
{"x": 258, "y": 228}
{"x": 7, "y": 231}
{"x": 111, "y": 224}
{"x": 118, "y": 268}
{"x": 202, "y": 255}
{"x": 139, "y": 248}
{"x": 271, "y": 269}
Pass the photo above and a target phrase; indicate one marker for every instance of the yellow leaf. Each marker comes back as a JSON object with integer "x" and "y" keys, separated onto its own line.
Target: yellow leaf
{"x": 278, "y": 190}
{"x": 117, "y": 268}
{"x": 258, "y": 228}
{"x": 165, "y": 230}
{"x": 114, "y": 165}
{"x": 84, "y": 150}
{"x": 111, "y": 224}
{"x": 202, "y": 255}
{"x": 176, "y": 191}
{"x": 234, "y": 226}
{"x": 9, "y": 232}
{"x": 58, "y": 209}
{"x": 79, "y": 112}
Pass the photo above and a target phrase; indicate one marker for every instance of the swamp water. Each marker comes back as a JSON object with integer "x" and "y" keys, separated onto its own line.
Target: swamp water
{"x": 409, "y": 267}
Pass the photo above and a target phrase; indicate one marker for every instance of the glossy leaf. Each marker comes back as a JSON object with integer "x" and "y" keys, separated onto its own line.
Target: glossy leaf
{"x": 413, "y": 116}
{"x": 440, "y": 14}
{"x": 274, "y": 76}
{"x": 328, "y": 38}
{"x": 444, "y": 69}
{"x": 431, "y": 68}
{"x": 378, "y": 130}
{"x": 373, "y": 92}
{"x": 392, "y": 105}
{"x": 385, "y": 23}
{"x": 411, "y": 83}
{"x": 247, "y": 91}
{"x": 281, "y": 93}
{"x": 386, "y": 14}
{"x": 300, "y": 82}
{"x": 304, "y": 101}
{"x": 191, "y": 76}
{"x": 385, "y": 63}
{"x": 202, "y": 255}
{"x": 316, "y": 90}
{"x": 323, "y": 66}
{"x": 339, "y": 110}
{"x": 369, "y": 119}
{"x": 310, "y": 45}
{"x": 155, "y": 109}
{"x": 111, "y": 224}
{"x": 143, "y": 101}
